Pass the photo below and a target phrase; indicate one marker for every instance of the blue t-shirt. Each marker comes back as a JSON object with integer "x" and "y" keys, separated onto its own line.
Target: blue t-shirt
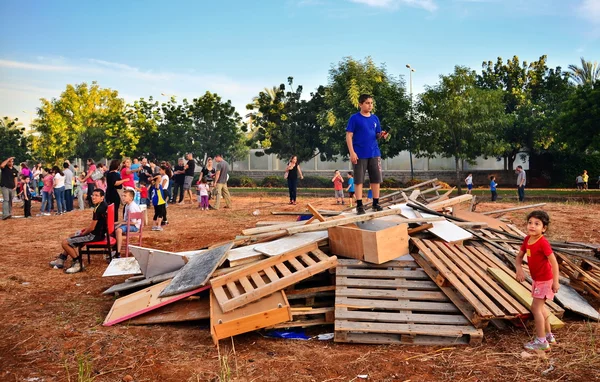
{"x": 493, "y": 185}
{"x": 135, "y": 166}
{"x": 364, "y": 139}
{"x": 351, "y": 184}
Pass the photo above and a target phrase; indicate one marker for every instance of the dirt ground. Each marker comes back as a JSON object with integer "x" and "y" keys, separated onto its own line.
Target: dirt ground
{"x": 50, "y": 322}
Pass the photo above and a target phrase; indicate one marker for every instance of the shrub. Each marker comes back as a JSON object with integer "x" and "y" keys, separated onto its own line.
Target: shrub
{"x": 274, "y": 181}
{"x": 241, "y": 181}
{"x": 315, "y": 182}
{"x": 390, "y": 183}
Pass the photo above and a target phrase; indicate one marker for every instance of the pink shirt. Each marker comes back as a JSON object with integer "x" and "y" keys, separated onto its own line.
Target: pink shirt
{"x": 128, "y": 177}
{"x": 91, "y": 170}
{"x": 48, "y": 183}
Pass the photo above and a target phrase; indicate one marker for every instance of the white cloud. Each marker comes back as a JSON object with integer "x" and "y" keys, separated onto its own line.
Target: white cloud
{"x": 428, "y": 5}
{"x": 32, "y": 66}
{"x": 590, "y": 9}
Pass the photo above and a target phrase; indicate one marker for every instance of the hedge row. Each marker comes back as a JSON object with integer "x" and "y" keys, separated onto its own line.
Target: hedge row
{"x": 307, "y": 182}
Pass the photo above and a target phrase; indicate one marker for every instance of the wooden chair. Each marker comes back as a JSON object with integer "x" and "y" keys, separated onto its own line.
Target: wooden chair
{"x": 134, "y": 216}
{"x": 108, "y": 245}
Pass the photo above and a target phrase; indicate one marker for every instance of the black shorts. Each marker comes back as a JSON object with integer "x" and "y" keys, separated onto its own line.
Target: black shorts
{"x": 372, "y": 165}
{"x": 81, "y": 240}
{"x": 351, "y": 193}
{"x": 160, "y": 211}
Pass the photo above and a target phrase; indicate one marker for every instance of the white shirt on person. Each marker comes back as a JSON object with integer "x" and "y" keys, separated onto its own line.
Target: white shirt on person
{"x": 133, "y": 207}
{"x": 165, "y": 184}
{"x": 59, "y": 180}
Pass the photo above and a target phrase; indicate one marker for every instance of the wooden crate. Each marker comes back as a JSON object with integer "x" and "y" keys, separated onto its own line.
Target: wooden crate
{"x": 396, "y": 303}
{"x": 375, "y": 247}
{"x": 271, "y": 310}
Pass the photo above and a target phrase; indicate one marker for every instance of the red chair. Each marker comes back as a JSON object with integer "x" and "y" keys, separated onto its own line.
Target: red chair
{"x": 133, "y": 216}
{"x": 108, "y": 245}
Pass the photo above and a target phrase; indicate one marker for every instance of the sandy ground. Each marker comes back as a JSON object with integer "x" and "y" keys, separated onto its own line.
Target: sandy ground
{"x": 50, "y": 326}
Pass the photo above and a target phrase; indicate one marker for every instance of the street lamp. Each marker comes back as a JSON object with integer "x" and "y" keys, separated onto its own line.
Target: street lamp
{"x": 412, "y": 172}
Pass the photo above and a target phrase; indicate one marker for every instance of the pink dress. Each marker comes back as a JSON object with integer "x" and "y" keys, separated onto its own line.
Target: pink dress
{"x": 128, "y": 177}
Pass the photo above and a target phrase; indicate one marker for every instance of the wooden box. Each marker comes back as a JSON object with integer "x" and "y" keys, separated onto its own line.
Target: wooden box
{"x": 271, "y": 310}
{"x": 375, "y": 247}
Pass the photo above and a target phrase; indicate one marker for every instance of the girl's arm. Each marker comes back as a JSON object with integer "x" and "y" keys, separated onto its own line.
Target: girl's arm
{"x": 519, "y": 266}
{"x": 555, "y": 272}
{"x": 300, "y": 172}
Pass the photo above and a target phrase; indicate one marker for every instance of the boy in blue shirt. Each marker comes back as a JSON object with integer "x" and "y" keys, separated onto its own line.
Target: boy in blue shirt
{"x": 362, "y": 133}
{"x": 350, "y": 188}
{"x": 493, "y": 186}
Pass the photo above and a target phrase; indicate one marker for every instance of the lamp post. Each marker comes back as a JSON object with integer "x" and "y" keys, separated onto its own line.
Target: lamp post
{"x": 412, "y": 172}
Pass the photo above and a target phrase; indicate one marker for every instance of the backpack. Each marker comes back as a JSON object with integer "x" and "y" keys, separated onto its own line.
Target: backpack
{"x": 97, "y": 174}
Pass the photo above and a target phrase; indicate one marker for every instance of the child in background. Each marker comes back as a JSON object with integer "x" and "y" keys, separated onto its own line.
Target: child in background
{"x": 159, "y": 203}
{"x": 26, "y": 195}
{"x": 469, "y": 182}
{"x": 82, "y": 189}
{"x": 338, "y": 186}
{"x": 493, "y": 186}
{"x": 350, "y": 188}
{"x": 579, "y": 182}
{"x": 144, "y": 193}
{"x": 586, "y": 178}
{"x": 47, "y": 189}
{"x": 203, "y": 192}
{"x": 543, "y": 268}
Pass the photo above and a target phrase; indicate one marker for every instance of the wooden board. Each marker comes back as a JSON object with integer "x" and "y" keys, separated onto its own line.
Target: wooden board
{"x": 155, "y": 262}
{"x": 521, "y": 293}
{"x": 386, "y": 304}
{"x": 269, "y": 311}
{"x": 290, "y": 243}
{"x": 243, "y": 255}
{"x": 571, "y": 300}
{"x": 265, "y": 277}
{"x": 189, "y": 309}
{"x": 135, "y": 285}
{"x": 450, "y": 202}
{"x": 445, "y": 230}
{"x": 143, "y": 301}
{"x": 122, "y": 266}
{"x": 477, "y": 217}
{"x": 197, "y": 271}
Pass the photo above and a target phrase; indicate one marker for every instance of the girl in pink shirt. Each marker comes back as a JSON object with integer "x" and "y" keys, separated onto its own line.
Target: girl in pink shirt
{"x": 127, "y": 174}
{"x": 48, "y": 181}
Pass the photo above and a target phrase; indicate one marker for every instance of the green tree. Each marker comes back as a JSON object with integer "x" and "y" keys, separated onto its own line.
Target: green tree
{"x": 586, "y": 74}
{"x": 85, "y": 121}
{"x": 145, "y": 117}
{"x": 531, "y": 94}
{"x": 285, "y": 125}
{"x": 458, "y": 120}
{"x": 13, "y": 142}
{"x": 347, "y": 81}
{"x": 578, "y": 125}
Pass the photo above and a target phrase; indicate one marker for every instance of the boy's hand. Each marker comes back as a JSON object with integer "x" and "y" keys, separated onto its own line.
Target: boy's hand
{"x": 555, "y": 286}
{"x": 353, "y": 158}
{"x": 520, "y": 275}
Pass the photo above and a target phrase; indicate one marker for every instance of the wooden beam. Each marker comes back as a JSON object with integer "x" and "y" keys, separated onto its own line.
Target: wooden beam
{"x": 514, "y": 209}
{"x": 315, "y": 213}
{"x": 450, "y": 202}
{"x": 270, "y": 228}
{"x": 294, "y": 213}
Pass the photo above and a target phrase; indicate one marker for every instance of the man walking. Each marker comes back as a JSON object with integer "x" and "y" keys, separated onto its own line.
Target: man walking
{"x": 362, "y": 133}
{"x": 521, "y": 181}
{"x": 8, "y": 182}
{"x": 189, "y": 170}
{"x": 221, "y": 182}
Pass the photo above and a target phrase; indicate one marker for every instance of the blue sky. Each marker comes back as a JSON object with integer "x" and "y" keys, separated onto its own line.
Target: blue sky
{"x": 236, "y": 48}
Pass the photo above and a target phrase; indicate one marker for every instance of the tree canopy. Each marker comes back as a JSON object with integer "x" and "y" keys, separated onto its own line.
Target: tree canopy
{"x": 13, "y": 142}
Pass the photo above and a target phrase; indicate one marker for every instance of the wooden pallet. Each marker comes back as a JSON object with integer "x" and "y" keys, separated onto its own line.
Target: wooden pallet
{"x": 395, "y": 302}
{"x": 251, "y": 283}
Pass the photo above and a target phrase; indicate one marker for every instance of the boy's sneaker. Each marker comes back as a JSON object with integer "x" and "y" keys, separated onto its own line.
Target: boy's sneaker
{"x": 537, "y": 345}
{"x": 59, "y": 262}
{"x": 360, "y": 210}
{"x": 75, "y": 267}
{"x": 377, "y": 208}
{"x": 159, "y": 229}
{"x": 550, "y": 338}
{"x": 154, "y": 228}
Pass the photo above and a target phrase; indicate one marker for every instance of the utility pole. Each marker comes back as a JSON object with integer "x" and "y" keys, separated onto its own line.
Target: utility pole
{"x": 412, "y": 172}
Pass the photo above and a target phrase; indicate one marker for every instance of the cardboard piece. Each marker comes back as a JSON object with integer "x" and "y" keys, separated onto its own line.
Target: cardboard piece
{"x": 271, "y": 310}
{"x": 372, "y": 245}
{"x": 197, "y": 271}
{"x": 571, "y": 300}
{"x": 290, "y": 243}
{"x": 445, "y": 230}
{"x": 143, "y": 301}
{"x": 122, "y": 266}
{"x": 189, "y": 309}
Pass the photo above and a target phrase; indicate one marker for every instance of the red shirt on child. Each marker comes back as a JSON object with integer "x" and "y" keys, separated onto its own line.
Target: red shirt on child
{"x": 338, "y": 184}
{"x": 537, "y": 258}
{"x": 144, "y": 193}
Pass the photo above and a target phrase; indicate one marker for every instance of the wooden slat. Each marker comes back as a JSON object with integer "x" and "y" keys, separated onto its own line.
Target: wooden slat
{"x": 376, "y": 273}
{"x": 429, "y": 318}
{"x": 380, "y": 283}
{"x": 421, "y": 306}
{"x": 233, "y": 289}
{"x": 283, "y": 269}
{"x": 271, "y": 274}
{"x": 382, "y": 293}
{"x": 316, "y": 214}
{"x": 246, "y": 284}
{"x": 296, "y": 264}
{"x": 307, "y": 260}
{"x": 413, "y": 329}
{"x": 355, "y": 264}
{"x": 320, "y": 255}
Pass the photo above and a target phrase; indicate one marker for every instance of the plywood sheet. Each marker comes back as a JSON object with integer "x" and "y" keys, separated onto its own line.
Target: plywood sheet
{"x": 155, "y": 262}
{"x": 290, "y": 243}
{"x": 445, "y": 230}
{"x": 134, "y": 285}
{"x": 122, "y": 266}
{"x": 143, "y": 301}
{"x": 197, "y": 271}
{"x": 477, "y": 217}
{"x": 245, "y": 254}
{"x": 190, "y": 309}
{"x": 571, "y": 300}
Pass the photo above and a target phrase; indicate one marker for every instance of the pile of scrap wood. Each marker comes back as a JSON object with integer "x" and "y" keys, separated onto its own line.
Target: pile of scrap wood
{"x": 410, "y": 274}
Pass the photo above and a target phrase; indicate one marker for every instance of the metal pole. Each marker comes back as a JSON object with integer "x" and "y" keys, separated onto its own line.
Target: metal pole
{"x": 412, "y": 171}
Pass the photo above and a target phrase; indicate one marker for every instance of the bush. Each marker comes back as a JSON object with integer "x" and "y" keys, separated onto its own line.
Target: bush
{"x": 390, "y": 183}
{"x": 241, "y": 181}
{"x": 274, "y": 181}
{"x": 315, "y": 182}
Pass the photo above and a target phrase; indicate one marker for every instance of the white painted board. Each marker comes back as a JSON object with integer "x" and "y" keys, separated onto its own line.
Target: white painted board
{"x": 445, "y": 230}
{"x": 155, "y": 262}
{"x": 569, "y": 299}
{"x": 290, "y": 243}
{"x": 122, "y": 266}
{"x": 244, "y": 252}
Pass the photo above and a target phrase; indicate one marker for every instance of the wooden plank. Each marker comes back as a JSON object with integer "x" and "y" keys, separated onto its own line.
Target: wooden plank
{"x": 412, "y": 329}
{"x": 396, "y": 339}
{"x": 307, "y": 260}
{"x": 257, "y": 279}
{"x": 450, "y": 202}
{"x": 245, "y": 283}
{"x": 521, "y": 293}
{"x": 383, "y": 273}
{"x": 143, "y": 301}
{"x": 354, "y": 264}
{"x": 514, "y": 209}
{"x": 400, "y": 317}
{"x": 197, "y": 271}
{"x": 296, "y": 264}
{"x": 270, "y": 274}
{"x": 383, "y": 293}
{"x": 122, "y": 266}
{"x": 189, "y": 309}
{"x": 443, "y": 229}
{"x": 283, "y": 269}
{"x": 478, "y": 217}
{"x": 233, "y": 289}
{"x": 571, "y": 300}
{"x": 421, "y": 306}
{"x": 271, "y": 228}
{"x": 381, "y": 283}
{"x": 135, "y": 285}
{"x": 315, "y": 213}
{"x": 290, "y": 243}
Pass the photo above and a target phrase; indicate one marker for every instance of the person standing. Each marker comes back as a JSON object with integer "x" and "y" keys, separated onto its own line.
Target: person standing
{"x": 292, "y": 172}
{"x": 145, "y": 172}
{"x": 469, "y": 182}
{"x": 113, "y": 184}
{"x": 26, "y": 196}
{"x": 221, "y": 182}
{"x": 493, "y": 186}
{"x": 134, "y": 166}
{"x": 362, "y": 133}
{"x": 37, "y": 177}
{"x": 189, "y": 170}
{"x": 521, "y": 182}
{"x": 59, "y": 190}
{"x": 178, "y": 179}
{"x": 586, "y": 178}
{"x": 68, "y": 186}
{"x": 8, "y": 182}
{"x": 91, "y": 183}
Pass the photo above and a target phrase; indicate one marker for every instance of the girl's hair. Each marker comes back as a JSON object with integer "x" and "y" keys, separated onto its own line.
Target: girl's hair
{"x": 492, "y": 177}
{"x": 541, "y": 216}
{"x": 47, "y": 169}
{"x": 55, "y": 169}
{"x": 114, "y": 165}
{"x": 83, "y": 174}
{"x": 167, "y": 170}
{"x": 203, "y": 179}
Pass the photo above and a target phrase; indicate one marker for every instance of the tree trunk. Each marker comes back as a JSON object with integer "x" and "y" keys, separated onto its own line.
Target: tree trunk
{"x": 511, "y": 161}
{"x": 458, "y": 180}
